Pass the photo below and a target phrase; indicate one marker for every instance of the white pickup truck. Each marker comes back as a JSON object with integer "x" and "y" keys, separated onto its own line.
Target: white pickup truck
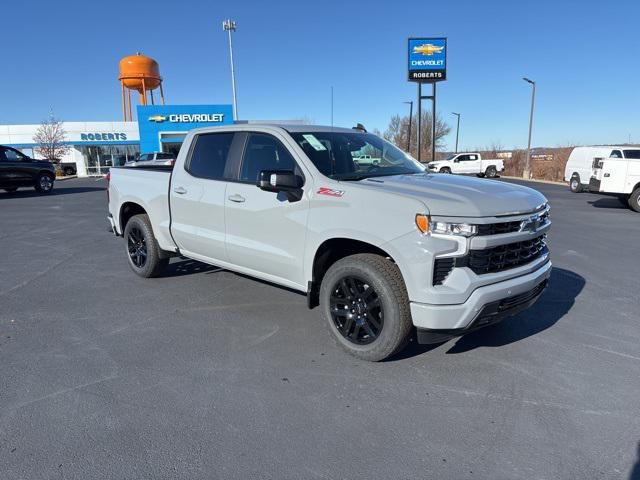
{"x": 468, "y": 164}
{"x": 382, "y": 249}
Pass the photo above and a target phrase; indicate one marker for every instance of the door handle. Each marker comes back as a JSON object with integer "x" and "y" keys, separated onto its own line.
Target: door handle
{"x": 180, "y": 190}
{"x": 236, "y": 198}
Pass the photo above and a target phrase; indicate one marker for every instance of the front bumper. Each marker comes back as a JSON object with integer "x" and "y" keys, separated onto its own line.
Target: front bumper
{"x": 483, "y": 304}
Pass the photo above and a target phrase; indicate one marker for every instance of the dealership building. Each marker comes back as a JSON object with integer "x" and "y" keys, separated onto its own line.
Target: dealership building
{"x": 96, "y": 146}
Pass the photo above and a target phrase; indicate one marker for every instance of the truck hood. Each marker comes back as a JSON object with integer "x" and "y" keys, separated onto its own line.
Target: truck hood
{"x": 456, "y": 196}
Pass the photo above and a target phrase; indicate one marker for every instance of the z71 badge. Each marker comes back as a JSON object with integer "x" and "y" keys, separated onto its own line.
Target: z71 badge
{"x": 330, "y": 192}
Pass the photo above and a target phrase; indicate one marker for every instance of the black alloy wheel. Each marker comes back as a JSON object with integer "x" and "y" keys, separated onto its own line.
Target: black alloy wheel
{"x": 137, "y": 247}
{"x": 356, "y": 310}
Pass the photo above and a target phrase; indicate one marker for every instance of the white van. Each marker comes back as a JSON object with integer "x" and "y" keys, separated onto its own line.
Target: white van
{"x": 619, "y": 177}
{"x": 580, "y": 165}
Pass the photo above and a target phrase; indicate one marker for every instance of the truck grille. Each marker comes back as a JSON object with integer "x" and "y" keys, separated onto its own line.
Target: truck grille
{"x": 498, "y": 228}
{"x": 504, "y": 257}
{"x": 492, "y": 260}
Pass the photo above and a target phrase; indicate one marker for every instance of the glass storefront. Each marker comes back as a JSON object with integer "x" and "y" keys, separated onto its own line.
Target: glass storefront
{"x": 98, "y": 158}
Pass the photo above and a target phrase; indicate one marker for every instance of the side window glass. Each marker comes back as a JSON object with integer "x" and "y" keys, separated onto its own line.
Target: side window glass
{"x": 209, "y": 155}
{"x": 473, "y": 157}
{"x": 12, "y": 155}
{"x": 2, "y": 156}
{"x": 616, "y": 154}
{"x": 264, "y": 152}
{"x": 463, "y": 158}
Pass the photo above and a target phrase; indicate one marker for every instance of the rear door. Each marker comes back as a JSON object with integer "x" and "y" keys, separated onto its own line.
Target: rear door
{"x": 197, "y": 197}
{"x": 266, "y": 231}
{"x": 613, "y": 175}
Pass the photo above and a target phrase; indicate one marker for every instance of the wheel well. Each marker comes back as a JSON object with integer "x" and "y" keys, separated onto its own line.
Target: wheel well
{"x": 47, "y": 172}
{"x": 128, "y": 210}
{"x": 328, "y": 253}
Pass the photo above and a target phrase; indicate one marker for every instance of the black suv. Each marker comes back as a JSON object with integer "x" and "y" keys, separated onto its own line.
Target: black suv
{"x": 18, "y": 170}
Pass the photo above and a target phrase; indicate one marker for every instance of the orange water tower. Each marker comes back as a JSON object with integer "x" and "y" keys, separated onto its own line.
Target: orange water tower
{"x": 141, "y": 73}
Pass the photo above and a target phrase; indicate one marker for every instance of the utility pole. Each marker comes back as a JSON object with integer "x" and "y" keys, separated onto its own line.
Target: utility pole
{"x": 457, "y": 129}
{"x": 527, "y": 168}
{"x": 230, "y": 26}
{"x": 410, "y": 119}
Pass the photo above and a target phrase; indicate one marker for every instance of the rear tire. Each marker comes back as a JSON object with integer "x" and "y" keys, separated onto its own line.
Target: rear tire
{"x": 44, "y": 183}
{"x": 143, "y": 252}
{"x": 574, "y": 184}
{"x": 366, "y": 307}
{"x": 491, "y": 172}
{"x": 634, "y": 200}
{"x": 69, "y": 171}
{"x": 445, "y": 170}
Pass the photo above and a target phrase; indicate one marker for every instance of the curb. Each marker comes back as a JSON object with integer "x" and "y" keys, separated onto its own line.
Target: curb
{"x": 68, "y": 177}
{"x": 550, "y": 182}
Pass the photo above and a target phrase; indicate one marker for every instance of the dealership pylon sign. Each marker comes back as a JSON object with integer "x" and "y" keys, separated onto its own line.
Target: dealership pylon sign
{"x": 427, "y": 59}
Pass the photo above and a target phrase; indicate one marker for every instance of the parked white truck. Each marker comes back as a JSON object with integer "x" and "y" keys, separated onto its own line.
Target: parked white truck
{"x": 612, "y": 170}
{"x": 468, "y": 164}
{"x": 383, "y": 249}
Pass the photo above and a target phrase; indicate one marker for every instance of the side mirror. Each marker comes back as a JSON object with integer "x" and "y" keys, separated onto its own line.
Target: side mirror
{"x": 279, "y": 181}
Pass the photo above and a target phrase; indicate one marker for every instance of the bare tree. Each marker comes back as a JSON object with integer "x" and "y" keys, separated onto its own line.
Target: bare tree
{"x": 50, "y": 138}
{"x": 398, "y": 133}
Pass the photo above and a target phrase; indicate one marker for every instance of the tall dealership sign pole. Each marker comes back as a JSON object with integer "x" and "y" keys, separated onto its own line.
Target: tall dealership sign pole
{"x": 427, "y": 63}
{"x": 230, "y": 26}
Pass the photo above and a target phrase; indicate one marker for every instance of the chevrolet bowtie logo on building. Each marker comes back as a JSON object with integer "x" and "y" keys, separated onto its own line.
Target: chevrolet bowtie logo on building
{"x": 427, "y": 49}
{"x": 189, "y": 118}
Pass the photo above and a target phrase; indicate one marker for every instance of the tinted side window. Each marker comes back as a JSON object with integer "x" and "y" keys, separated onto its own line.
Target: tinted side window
{"x": 463, "y": 158}
{"x": 635, "y": 154}
{"x": 165, "y": 156}
{"x": 12, "y": 155}
{"x": 264, "y": 152}
{"x": 209, "y": 155}
{"x": 616, "y": 154}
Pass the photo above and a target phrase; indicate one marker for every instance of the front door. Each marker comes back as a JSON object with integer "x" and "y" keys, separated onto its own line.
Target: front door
{"x": 266, "y": 231}
{"x": 16, "y": 169}
{"x": 613, "y": 175}
{"x": 197, "y": 198}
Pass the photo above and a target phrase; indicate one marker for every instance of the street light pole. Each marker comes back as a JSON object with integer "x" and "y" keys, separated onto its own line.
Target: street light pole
{"x": 410, "y": 119}
{"x": 527, "y": 167}
{"x": 230, "y": 26}
{"x": 457, "y": 129}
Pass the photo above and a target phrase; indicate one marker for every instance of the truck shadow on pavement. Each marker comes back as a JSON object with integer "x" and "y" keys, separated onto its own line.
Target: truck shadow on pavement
{"x": 609, "y": 202}
{"x": 186, "y": 266}
{"x": 28, "y": 193}
{"x": 555, "y": 303}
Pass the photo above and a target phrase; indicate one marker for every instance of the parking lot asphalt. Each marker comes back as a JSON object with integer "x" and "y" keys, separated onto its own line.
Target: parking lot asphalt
{"x": 204, "y": 373}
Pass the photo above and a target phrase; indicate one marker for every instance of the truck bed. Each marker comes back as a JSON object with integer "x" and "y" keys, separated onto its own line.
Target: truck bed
{"x": 148, "y": 186}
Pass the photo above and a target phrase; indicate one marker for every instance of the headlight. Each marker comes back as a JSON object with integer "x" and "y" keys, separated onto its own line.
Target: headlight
{"x": 426, "y": 226}
{"x": 461, "y": 229}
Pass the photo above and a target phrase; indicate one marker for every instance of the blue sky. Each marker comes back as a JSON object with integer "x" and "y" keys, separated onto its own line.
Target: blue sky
{"x": 583, "y": 55}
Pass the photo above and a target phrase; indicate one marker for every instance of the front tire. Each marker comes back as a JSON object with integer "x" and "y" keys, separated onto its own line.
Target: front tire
{"x": 143, "y": 252}
{"x": 634, "y": 200}
{"x": 445, "y": 170}
{"x": 366, "y": 307}
{"x": 574, "y": 184}
{"x": 44, "y": 183}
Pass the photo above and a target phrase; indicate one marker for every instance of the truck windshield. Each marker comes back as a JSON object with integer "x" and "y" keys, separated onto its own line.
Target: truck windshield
{"x": 452, "y": 156}
{"x": 355, "y": 156}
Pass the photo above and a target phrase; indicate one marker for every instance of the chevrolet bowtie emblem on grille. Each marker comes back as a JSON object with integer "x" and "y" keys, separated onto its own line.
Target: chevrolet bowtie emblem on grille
{"x": 531, "y": 224}
{"x": 157, "y": 118}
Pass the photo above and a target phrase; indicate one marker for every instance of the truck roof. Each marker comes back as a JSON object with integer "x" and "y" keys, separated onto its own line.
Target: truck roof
{"x": 289, "y": 127}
